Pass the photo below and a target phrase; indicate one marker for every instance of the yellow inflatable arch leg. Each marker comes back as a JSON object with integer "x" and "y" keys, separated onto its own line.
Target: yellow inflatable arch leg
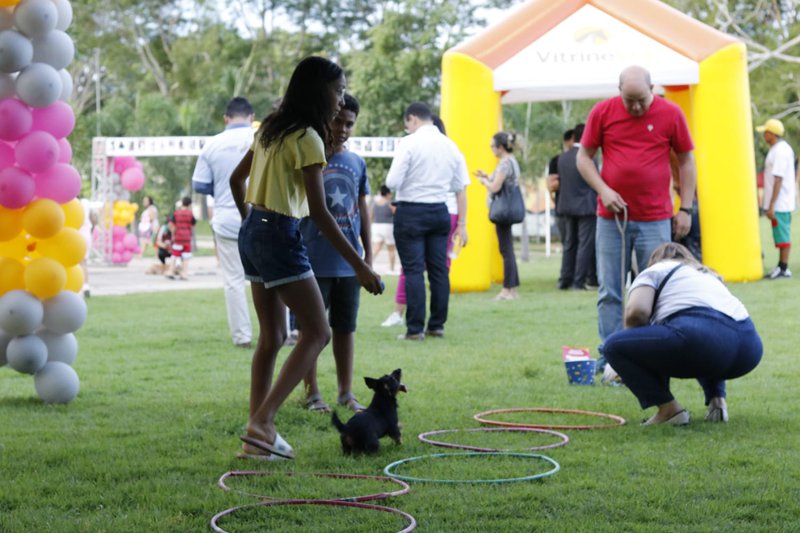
{"x": 472, "y": 114}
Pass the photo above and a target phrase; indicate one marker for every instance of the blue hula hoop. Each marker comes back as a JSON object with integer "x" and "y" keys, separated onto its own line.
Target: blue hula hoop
{"x": 389, "y": 468}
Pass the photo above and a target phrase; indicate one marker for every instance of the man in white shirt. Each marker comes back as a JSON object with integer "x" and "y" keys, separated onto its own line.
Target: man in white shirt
{"x": 426, "y": 168}
{"x": 779, "y": 192}
{"x": 212, "y": 176}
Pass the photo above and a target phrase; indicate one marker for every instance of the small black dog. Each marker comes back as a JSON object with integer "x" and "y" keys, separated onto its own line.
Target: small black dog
{"x": 362, "y": 431}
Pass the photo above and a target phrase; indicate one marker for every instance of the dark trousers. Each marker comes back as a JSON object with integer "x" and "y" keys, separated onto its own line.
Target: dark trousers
{"x": 578, "y": 262}
{"x": 698, "y": 342}
{"x": 420, "y": 234}
{"x": 506, "y": 241}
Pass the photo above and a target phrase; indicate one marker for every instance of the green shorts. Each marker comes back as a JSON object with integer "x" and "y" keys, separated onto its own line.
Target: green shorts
{"x": 781, "y": 229}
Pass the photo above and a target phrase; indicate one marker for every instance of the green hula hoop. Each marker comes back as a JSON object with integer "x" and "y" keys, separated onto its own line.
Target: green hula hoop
{"x": 389, "y": 469}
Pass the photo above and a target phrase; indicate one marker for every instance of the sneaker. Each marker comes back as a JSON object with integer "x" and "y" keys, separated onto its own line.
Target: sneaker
{"x": 610, "y": 377}
{"x": 393, "y": 320}
{"x": 778, "y": 273}
{"x": 411, "y": 337}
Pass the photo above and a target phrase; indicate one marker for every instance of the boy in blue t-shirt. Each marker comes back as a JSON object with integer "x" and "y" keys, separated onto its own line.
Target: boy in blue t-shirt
{"x": 346, "y": 190}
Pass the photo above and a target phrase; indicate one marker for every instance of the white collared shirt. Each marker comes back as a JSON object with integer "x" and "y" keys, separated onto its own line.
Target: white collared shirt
{"x": 426, "y": 167}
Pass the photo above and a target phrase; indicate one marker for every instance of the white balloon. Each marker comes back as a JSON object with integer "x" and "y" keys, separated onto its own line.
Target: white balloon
{"x": 21, "y": 313}
{"x": 5, "y": 338}
{"x": 26, "y": 354}
{"x": 16, "y": 51}
{"x": 36, "y": 18}
{"x": 6, "y": 18}
{"x": 7, "y": 86}
{"x": 60, "y": 347}
{"x": 55, "y": 48}
{"x": 64, "y": 14}
{"x": 66, "y": 84}
{"x": 57, "y": 383}
{"x": 39, "y": 85}
{"x": 64, "y": 313}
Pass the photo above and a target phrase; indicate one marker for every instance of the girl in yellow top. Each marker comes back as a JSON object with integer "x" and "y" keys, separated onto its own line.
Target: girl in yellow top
{"x": 285, "y": 170}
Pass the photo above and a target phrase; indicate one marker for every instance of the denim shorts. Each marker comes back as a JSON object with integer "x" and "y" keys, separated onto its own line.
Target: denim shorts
{"x": 272, "y": 249}
{"x": 341, "y": 297}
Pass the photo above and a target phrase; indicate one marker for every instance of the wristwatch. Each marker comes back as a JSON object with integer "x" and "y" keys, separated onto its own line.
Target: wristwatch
{"x": 687, "y": 210}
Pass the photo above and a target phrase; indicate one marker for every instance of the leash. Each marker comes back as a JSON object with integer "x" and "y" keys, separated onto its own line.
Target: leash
{"x": 622, "y": 226}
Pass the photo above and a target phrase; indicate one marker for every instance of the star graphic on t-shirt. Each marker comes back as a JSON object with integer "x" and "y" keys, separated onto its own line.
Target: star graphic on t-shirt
{"x": 337, "y": 198}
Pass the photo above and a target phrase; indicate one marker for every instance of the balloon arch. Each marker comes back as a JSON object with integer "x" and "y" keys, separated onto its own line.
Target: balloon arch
{"x": 115, "y": 172}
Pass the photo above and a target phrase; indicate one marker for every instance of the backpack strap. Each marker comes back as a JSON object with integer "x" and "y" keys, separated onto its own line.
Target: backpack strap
{"x": 664, "y": 282}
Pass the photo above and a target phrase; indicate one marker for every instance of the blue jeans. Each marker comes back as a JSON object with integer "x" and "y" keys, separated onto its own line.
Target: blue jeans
{"x": 698, "y": 342}
{"x": 420, "y": 234}
{"x": 643, "y": 237}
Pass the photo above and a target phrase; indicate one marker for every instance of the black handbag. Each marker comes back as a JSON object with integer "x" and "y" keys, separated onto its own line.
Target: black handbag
{"x": 507, "y": 205}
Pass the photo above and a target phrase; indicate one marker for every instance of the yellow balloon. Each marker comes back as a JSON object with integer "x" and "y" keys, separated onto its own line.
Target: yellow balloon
{"x": 43, "y": 218}
{"x": 75, "y": 278}
{"x": 16, "y": 248}
{"x": 10, "y": 223}
{"x": 73, "y": 214}
{"x": 8, "y": 3}
{"x": 44, "y": 278}
{"x": 68, "y": 247}
{"x": 12, "y": 275}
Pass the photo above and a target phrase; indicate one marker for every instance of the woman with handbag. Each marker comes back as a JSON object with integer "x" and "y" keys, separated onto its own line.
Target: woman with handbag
{"x": 506, "y": 207}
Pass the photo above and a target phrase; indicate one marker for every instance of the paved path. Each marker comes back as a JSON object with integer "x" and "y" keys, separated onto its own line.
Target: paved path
{"x": 112, "y": 280}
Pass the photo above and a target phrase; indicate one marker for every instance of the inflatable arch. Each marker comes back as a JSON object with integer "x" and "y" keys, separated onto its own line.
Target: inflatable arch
{"x": 575, "y": 49}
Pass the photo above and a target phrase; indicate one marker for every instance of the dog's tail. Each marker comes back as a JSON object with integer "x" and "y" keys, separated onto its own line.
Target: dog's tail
{"x": 336, "y": 422}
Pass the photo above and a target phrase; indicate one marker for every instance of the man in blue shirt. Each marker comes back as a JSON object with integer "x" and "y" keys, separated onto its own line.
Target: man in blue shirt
{"x": 346, "y": 190}
{"x": 212, "y": 176}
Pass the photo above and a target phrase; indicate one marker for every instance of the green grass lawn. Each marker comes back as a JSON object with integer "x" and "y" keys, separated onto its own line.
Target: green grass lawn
{"x": 164, "y": 397}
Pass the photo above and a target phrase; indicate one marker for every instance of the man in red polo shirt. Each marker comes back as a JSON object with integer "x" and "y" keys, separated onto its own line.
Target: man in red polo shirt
{"x": 636, "y": 132}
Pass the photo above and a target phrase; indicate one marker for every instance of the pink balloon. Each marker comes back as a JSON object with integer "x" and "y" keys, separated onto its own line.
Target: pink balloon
{"x": 37, "y": 151}
{"x": 132, "y": 179}
{"x": 60, "y": 183}
{"x": 15, "y": 119}
{"x": 57, "y": 119}
{"x": 65, "y": 151}
{"x": 123, "y": 163}
{"x": 116, "y": 257}
{"x": 130, "y": 241}
{"x": 118, "y": 247}
{"x": 16, "y": 188}
{"x": 6, "y": 155}
{"x": 118, "y": 232}
{"x": 126, "y": 256}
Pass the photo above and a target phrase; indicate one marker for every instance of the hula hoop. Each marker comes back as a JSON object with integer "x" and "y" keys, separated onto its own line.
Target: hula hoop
{"x": 480, "y": 418}
{"x": 424, "y": 438}
{"x": 404, "y": 487}
{"x": 556, "y": 467}
{"x": 412, "y": 523}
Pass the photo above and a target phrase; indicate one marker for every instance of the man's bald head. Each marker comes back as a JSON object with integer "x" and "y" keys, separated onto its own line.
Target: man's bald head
{"x": 636, "y": 90}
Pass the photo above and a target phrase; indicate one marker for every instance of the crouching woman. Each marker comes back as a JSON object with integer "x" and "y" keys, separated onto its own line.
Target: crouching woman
{"x": 682, "y": 322}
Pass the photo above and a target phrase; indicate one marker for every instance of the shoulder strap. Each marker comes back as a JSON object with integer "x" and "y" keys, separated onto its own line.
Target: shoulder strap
{"x": 664, "y": 282}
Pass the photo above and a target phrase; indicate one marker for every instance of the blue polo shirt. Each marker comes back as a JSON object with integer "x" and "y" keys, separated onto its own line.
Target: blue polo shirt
{"x": 345, "y": 180}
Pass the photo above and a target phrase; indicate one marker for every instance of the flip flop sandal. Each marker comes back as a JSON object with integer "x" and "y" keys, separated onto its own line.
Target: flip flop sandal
{"x": 350, "y": 401}
{"x": 280, "y": 447}
{"x": 316, "y": 404}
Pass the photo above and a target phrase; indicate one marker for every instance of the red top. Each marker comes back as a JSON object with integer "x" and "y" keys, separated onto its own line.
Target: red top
{"x": 183, "y": 220}
{"x": 636, "y": 154}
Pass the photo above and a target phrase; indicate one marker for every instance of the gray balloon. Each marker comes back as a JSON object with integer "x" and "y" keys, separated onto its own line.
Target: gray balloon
{"x": 64, "y": 313}
{"x": 16, "y": 51}
{"x": 26, "y": 354}
{"x": 66, "y": 84}
{"x": 21, "y": 313}
{"x": 57, "y": 383}
{"x": 36, "y": 18}
{"x": 64, "y": 14}
{"x": 60, "y": 347}
{"x": 39, "y": 85}
{"x": 8, "y": 86}
{"x": 55, "y": 48}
